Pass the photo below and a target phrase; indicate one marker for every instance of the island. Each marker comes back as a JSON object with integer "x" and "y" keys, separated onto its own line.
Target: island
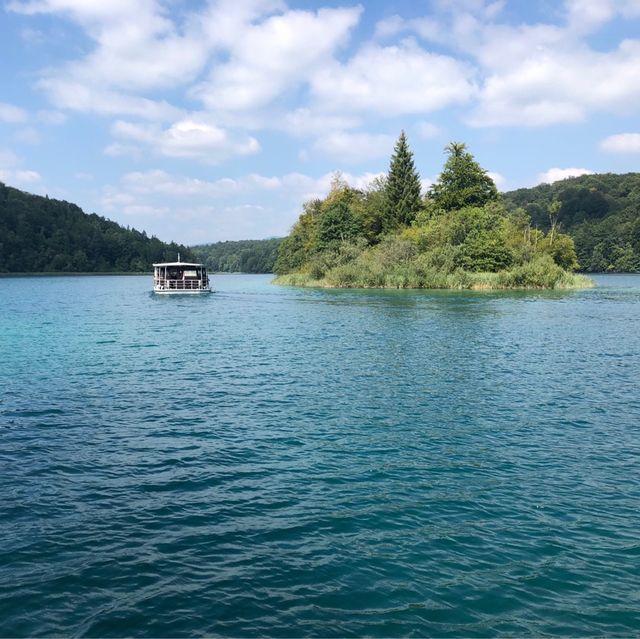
{"x": 460, "y": 235}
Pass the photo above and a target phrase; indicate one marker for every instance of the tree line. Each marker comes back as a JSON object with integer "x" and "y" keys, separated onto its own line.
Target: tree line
{"x": 601, "y": 212}
{"x": 243, "y": 256}
{"x": 39, "y": 234}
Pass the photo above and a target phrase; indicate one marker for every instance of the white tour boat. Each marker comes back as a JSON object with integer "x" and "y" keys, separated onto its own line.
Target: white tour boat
{"x": 170, "y": 278}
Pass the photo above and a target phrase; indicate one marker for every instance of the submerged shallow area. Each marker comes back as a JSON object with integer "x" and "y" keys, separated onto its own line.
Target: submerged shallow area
{"x": 269, "y": 461}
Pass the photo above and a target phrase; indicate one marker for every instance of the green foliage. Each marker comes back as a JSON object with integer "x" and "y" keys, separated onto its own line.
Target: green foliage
{"x": 403, "y": 200}
{"x": 463, "y": 182}
{"x": 601, "y": 213}
{"x": 337, "y": 224}
{"x": 542, "y": 272}
{"x": 39, "y": 234}
{"x": 342, "y": 242}
{"x": 296, "y": 249}
{"x": 370, "y": 208}
{"x": 244, "y": 256}
{"x": 561, "y": 249}
{"x": 367, "y": 272}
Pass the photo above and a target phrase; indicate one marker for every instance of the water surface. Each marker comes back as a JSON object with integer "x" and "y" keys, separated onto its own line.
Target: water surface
{"x": 267, "y": 461}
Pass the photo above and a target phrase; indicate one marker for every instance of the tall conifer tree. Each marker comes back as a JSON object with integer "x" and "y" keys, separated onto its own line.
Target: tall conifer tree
{"x": 403, "y": 187}
{"x": 463, "y": 182}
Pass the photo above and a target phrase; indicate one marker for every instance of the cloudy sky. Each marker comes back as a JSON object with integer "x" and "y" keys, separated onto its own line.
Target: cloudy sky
{"x": 209, "y": 120}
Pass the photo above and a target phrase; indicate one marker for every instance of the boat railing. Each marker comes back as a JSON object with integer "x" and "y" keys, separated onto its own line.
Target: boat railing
{"x": 179, "y": 285}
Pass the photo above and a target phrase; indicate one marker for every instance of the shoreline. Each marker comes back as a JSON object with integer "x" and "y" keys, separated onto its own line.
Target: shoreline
{"x": 475, "y": 282}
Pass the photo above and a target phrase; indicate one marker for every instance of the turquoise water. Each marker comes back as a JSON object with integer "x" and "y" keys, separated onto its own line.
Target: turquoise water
{"x": 276, "y": 462}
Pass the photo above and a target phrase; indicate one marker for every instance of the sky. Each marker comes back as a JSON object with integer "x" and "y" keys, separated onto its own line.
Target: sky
{"x": 209, "y": 120}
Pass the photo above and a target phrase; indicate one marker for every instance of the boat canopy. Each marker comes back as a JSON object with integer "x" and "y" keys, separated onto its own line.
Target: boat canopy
{"x": 177, "y": 264}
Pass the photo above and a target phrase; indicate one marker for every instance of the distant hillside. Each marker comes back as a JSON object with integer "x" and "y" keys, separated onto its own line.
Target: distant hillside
{"x": 38, "y": 234}
{"x": 601, "y": 213}
{"x": 245, "y": 256}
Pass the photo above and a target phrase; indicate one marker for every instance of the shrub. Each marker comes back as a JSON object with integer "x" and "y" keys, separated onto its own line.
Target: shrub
{"x": 542, "y": 272}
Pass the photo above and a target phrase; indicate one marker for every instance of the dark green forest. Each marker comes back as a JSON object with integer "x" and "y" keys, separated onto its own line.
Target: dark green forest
{"x": 39, "y": 234}
{"x": 601, "y": 212}
{"x": 244, "y": 256}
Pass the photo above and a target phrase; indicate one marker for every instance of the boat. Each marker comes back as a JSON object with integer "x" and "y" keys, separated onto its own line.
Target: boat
{"x": 170, "y": 278}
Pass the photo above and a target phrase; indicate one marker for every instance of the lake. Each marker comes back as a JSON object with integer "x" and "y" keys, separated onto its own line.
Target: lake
{"x": 266, "y": 461}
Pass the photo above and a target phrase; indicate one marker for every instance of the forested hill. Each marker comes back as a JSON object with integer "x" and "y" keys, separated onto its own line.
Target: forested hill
{"x": 245, "y": 256}
{"x": 38, "y": 234}
{"x": 601, "y": 212}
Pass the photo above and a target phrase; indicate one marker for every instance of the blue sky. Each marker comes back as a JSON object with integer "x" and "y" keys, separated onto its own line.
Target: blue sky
{"x": 200, "y": 121}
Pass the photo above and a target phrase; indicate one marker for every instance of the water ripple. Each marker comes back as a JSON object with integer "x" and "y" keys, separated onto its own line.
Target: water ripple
{"x": 274, "y": 462}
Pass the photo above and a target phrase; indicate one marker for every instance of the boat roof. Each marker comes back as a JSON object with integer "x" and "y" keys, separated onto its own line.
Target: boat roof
{"x": 177, "y": 264}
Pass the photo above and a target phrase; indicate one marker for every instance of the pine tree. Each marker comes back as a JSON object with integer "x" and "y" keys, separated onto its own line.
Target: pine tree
{"x": 463, "y": 182}
{"x": 403, "y": 187}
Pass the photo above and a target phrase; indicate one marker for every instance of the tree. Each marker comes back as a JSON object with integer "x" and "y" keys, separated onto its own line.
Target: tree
{"x": 370, "y": 209}
{"x": 337, "y": 224}
{"x": 463, "y": 182}
{"x": 403, "y": 187}
{"x": 297, "y": 248}
{"x": 554, "y": 212}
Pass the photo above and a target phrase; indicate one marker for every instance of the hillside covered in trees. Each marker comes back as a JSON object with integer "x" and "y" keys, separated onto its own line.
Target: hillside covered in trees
{"x": 460, "y": 235}
{"x": 244, "y": 256}
{"x": 38, "y": 234}
{"x": 601, "y": 213}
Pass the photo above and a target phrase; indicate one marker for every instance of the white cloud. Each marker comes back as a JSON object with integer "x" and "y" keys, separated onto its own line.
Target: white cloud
{"x": 116, "y": 149}
{"x": 426, "y": 183}
{"x": 355, "y": 147}
{"x": 538, "y": 74}
{"x": 392, "y": 81}
{"x": 296, "y": 186}
{"x": 555, "y": 174}
{"x": 498, "y": 178}
{"x": 274, "y": 56}
{"x": 54, "y": 118}
{"x": 248, "y": 206}
{"x": 137, "y": 46}
{"x": 428, "y": 130}
{"x": 157, "y": 181}
{"x": 586, "y": 16}
{"x": 27, "y": 135}
{"x": 305, "y": 122}
{"x": 551, "y": 86}
{"x": 67, "y": 93}
{"x": 8, "y": 159}
{"x": 391, "y": 26}
{"x": 145, "y": 210}
{"x": 12, "y": 173}
{"x": 12, "y": 114}
{"x": 225, "y": 22}
{"x": 186, "y": 138}
{"x": 622, "y": 143}
{"x": 19, "y": 177}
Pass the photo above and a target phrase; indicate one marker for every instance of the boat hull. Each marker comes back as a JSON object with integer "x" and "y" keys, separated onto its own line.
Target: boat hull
{"x": 199, "y": 291}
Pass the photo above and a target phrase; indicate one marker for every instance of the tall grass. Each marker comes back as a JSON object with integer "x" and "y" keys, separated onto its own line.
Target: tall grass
{"x": 368, "y": 272}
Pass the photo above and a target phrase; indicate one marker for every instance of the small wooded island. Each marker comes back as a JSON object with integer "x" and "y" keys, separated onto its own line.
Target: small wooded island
{"x": 459, "y": 236}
